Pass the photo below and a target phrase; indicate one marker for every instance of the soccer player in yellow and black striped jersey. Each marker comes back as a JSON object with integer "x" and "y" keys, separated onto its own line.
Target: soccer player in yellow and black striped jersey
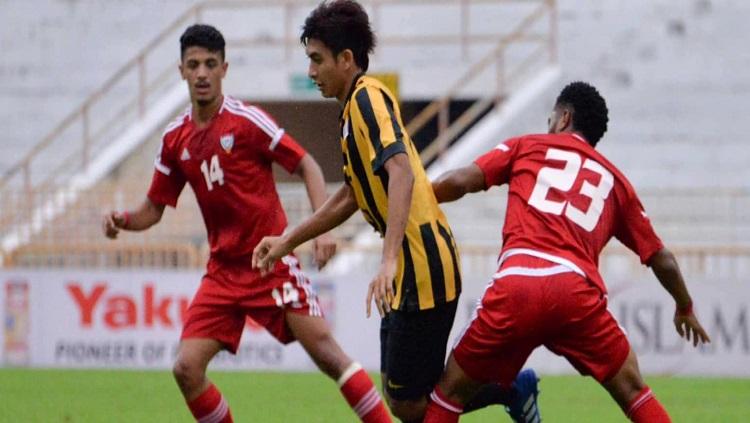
{"x": 417, "y": 286}
{"x": 428, "y": 272}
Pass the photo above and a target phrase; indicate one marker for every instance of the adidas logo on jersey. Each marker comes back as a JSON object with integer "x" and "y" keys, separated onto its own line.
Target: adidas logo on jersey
{"x": 185, "y": 154}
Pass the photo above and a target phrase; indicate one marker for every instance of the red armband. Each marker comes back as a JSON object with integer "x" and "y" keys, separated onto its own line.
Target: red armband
{"x": 125, "y": 219}
{"x": 686, "y": 310}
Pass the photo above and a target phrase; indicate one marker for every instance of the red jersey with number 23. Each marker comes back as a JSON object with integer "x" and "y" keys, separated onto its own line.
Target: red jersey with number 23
{"x": 228, "y": 165}
{"x": 565, "y": 202}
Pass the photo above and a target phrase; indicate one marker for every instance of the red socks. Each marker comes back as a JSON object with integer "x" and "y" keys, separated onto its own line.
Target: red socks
{"x": 210, "y": 407}
{"x": 355, "y": 385}
{"x": 362, "y": 395}
{"x": 645, "y": 408}
{"x": 441, "y": 409}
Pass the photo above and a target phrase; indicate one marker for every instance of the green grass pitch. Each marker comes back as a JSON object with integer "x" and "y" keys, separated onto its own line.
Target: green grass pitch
{"x": 67, "y": 396}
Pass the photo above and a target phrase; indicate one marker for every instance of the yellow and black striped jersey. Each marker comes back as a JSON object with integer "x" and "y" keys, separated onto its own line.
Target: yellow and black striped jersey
{"x": 372, "y": 132}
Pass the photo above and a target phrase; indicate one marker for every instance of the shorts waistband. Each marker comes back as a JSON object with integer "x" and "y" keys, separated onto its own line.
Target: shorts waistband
{"x": 528, "y": 271}
{"x": 569, "y": 265}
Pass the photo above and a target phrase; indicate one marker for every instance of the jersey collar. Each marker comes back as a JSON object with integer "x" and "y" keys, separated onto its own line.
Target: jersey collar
{"x": 578, "y": 137}
{"x": 224, "y": 99}
{"x": 351, "y": 91}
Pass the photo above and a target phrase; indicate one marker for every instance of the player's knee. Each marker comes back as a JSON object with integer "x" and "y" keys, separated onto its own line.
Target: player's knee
{"x": 187, "y": 373}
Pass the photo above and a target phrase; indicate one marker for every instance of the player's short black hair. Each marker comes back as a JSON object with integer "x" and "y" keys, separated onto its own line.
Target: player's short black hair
{"x": 202, "y": 35}
{"x": 590, "y": 114}
{"x": 341, "y": 25}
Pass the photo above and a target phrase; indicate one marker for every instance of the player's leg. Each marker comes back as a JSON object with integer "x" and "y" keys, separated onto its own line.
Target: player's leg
{"x": 457, "y": 388}
{"x": 506, "y": 327}
{"x": 595, "y": 345}
{"x": 516, "y": 398}
{"x": 633, "y": 395}
{"x": 202, "y": 397}
{"x": 285, "y": 303}
{"x": 413, "y": 346}
{"x": 189, "y": 369}
{"x": 211, "y": 324}
{"x": 523, "y": 277}
{"x": 315, "y": 336}
{"x": 467, "y": 373}
{"x": 487, "y": 395}
{"x": 454, "y": 390}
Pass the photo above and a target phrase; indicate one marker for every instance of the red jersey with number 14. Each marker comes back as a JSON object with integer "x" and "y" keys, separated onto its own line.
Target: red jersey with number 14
{"x": 228, "y": 165}
{"x": 565, "y": 202}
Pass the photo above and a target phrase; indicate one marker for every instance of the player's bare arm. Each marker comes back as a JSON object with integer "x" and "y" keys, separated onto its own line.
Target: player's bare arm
{"x": 454, "y": 184}
{"x": 147, "y": 215}
{"x": 400, "y": 186}
{"x": 665, "y": 267}
{"x": 324, "y": 246}
{"x": 339, "y": 207}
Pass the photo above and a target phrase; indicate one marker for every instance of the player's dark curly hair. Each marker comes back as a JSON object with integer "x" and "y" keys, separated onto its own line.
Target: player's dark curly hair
{"x": 205, "y": 36}
{"x": 341, "y": 25}
{"x": 589, "y": 110}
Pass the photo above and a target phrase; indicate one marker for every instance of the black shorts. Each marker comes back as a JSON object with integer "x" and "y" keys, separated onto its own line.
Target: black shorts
{"x": 412, "y": 349}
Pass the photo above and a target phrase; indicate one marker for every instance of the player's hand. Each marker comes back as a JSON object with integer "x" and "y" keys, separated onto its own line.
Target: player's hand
{"x": 111, "y": 224}
{"x": 380, "y": 290}
{"x": 268, "y": 250}
{"x": 324, "y": 247}
{"x": 689, "y": 327}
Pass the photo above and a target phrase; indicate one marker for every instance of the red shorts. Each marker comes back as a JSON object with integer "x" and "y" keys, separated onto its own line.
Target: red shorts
{"x": 231, "y": 292}
{"x": 533, "y": 302}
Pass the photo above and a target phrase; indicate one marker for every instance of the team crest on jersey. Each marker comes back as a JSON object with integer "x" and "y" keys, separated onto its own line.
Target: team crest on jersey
{"x": 185, "y": 154}
{"x": 227, "y": 142}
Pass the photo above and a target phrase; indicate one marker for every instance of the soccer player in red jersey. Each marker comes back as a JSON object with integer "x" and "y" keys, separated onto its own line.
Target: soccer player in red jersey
{"x": 565, "y": 202}
{"x": 224, "y": 149}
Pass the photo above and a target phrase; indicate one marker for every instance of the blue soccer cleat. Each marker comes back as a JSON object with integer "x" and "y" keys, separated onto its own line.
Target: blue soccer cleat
{"x": 524, "y": 408}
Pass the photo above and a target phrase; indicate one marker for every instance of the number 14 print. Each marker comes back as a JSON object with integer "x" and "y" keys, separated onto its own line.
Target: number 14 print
{"x": 213, "y": 173}
{"x": 564, "y": 179}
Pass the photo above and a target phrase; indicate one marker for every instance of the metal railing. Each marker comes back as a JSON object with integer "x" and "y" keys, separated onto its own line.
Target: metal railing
{"x": 479, "y": 261}
{"x": 126, "y": 96}
{"x": 692, "y": 218}
{"x": 507, "y": 73}
{"x": 76, "y": 236}
{"x": 107, "y": 255}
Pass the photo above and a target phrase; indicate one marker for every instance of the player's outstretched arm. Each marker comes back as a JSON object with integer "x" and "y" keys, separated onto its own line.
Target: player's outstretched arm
{"x": 147, "y": 215}
{"x": 454, "y": 184}
{"x": 339, "y": 207}
{"x": 324, "y": 246}
{"x": 665, "y": 267}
